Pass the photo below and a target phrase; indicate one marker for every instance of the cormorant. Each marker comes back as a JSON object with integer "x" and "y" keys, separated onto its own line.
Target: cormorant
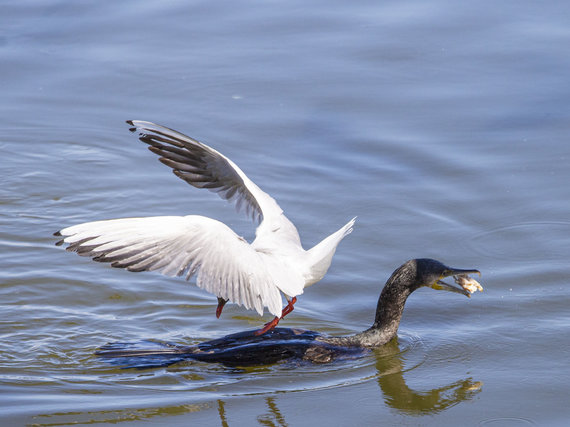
{"x": 249, "y": 349}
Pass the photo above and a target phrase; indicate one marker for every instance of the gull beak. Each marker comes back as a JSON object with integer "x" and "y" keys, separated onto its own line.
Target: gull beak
{"x": 440, "y": 285}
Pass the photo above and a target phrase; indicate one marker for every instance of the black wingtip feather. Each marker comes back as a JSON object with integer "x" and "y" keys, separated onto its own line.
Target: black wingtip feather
{"x": 205, "y": 169}
{"x": 155, "y": 149}
{"x": 133, "y": 128}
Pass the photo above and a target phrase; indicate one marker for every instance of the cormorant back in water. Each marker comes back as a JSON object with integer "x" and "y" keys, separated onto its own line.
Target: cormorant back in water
{"x": 250, "y": 349}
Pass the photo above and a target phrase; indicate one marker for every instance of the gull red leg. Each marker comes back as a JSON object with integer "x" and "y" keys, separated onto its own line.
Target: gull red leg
{"x": 268, "y": 326}
{"x": 221, "y": 303}
{"x": 289, "y": 307}
{"x": 271, "y": 325}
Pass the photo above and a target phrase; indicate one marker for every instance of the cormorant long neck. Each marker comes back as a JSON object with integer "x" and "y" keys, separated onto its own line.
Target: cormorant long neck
{"x": 388, "y": 312}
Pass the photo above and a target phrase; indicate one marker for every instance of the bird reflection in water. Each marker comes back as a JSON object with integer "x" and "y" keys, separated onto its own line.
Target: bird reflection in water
{"x": 397, "y": 394}
{"x": 222, "y": 412}
{"x": 389, "y": 363}
{"x": 274, "y": 417}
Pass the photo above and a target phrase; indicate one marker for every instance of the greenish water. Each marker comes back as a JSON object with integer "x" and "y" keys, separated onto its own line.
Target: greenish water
{"x": 443, "y": 126}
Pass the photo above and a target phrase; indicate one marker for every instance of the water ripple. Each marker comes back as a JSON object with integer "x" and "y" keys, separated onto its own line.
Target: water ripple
{"x": 527, "y": 241}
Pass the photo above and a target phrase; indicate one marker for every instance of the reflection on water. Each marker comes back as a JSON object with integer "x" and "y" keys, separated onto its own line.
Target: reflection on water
{"x": 222, "y": 412}
{"x": 387, "y": 365}
{"x": 61, "y": 418}
{"x": 398, "y": 395}
{"x": 274, "y": 418}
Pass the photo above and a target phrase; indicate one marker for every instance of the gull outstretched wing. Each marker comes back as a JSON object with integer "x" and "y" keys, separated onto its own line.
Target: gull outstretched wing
{"x": 204, "y": 167}
{"x": 225, "y": 264}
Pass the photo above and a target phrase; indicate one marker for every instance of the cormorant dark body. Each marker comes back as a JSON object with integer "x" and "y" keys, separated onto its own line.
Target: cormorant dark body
{"x": 242, "y": 349}
{"x": 281, "y": 344}
{"x": 247, "y": 349}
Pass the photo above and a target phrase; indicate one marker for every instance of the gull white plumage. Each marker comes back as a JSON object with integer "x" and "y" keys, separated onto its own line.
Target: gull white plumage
{"x": 226, "y": 265}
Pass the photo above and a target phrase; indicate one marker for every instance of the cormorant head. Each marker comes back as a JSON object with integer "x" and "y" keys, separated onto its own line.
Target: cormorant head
{"x": 431, "y": 273}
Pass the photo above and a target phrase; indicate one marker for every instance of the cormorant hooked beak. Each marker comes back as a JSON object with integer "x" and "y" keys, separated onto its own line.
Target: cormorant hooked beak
{"x": 440, "y": 285}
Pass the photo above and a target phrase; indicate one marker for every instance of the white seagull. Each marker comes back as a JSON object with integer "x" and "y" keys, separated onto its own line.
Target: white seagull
{"x": 251, "y": 275}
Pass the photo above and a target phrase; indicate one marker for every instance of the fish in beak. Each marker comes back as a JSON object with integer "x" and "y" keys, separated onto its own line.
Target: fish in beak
{"x": 467, "y": 285}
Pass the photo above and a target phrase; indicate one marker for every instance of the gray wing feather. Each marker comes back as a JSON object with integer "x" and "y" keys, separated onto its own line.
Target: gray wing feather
{"x": 225, "y": 264}
{"x": 200, "y": 165}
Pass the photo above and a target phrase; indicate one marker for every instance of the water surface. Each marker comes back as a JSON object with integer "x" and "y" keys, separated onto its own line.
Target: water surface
{"x": 443, "y": 126}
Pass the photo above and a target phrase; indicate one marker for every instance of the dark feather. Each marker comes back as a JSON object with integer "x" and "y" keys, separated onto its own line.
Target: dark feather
{"x": 198, "y": 165}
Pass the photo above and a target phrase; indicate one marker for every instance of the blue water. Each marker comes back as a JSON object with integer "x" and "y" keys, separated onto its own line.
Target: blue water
{"x": 443, "y": 126}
